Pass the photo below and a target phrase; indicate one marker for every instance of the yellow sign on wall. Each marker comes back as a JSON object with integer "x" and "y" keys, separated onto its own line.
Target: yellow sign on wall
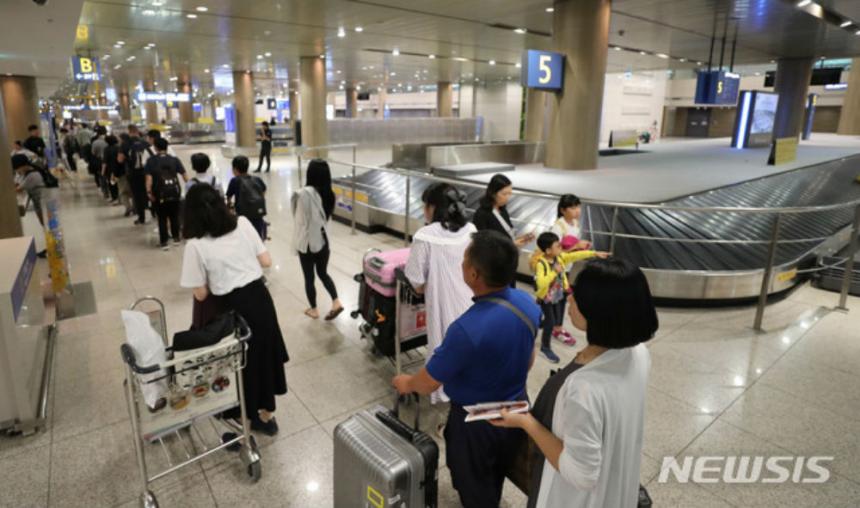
{"x": 783, "y": 150}
{"x": 82, "y": 34}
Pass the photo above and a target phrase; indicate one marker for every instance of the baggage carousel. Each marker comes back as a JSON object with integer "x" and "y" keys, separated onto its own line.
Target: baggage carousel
{"x": 687, "y": 255}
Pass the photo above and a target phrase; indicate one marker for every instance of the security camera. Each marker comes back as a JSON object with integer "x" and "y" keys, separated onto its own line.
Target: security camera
{"x": 40, "y": 2}
{"x": 620, "y": 32}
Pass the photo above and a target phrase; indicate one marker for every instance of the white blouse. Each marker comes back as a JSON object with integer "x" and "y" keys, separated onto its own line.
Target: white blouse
{"x": 599, "y": 414}
{"x": 224, "y": 263}
{"x": 310, "y": 221}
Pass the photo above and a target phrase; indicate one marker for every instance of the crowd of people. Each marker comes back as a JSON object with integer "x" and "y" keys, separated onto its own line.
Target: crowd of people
{"x": 582, "y": 439}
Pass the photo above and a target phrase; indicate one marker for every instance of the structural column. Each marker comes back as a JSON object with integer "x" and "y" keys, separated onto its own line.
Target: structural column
{"x": 186, "y": 109}
{"x": 313, "y": 90}
{"x": 792, "y": 85}
{"x": 380, "y": 101}
{"x": 21, "y": 104}
{"x": 294, "y": 108}
{"x": 535, "y": 115}
{"x": 150, "y": 108}
{"x": 444, "y": 99}
{"x": 849, "y": 120}
{"x": 581, "y": 33}
{"x": 351, "y": 102}
{"x": 243, "y": 104}
{"x": 10, "y": 221}
{"x": 124, "y": 104}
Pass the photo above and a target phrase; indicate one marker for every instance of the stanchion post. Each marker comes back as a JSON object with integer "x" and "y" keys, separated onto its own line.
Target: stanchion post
{"x": 849, "y": 263}
{"x": 768, "y": 272}
{"x": 299, "y": 166}
{"x": 612, "y": 235}
{"x": 406, "y": 210}
{"x": 352, "y": 226}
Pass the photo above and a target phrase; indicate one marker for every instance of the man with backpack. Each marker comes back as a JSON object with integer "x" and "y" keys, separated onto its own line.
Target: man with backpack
{"x": 70, "y": 147}
{"x": 247, "y": 194}
{"x": 164, "y": 190}
{"x": 135, "y": 153}
{"x": 33, "y": 180}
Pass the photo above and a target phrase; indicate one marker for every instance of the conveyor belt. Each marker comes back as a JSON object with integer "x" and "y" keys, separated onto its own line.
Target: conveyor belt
{"x": 720, "y": 270}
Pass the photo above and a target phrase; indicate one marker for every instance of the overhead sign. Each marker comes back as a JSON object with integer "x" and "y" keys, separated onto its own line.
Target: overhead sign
{"x": 86, "y": 69}
{"x": 159, "y": 96}
{"x": 717, "y": 87}
{"x": 271, "y": 104}
{"x": 543, "y": 69}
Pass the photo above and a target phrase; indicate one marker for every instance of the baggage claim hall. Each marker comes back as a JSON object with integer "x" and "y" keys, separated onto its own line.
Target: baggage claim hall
{"x": 385, "y": 253}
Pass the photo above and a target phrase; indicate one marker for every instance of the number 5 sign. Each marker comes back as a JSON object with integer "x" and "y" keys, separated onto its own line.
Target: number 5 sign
{"x": 543, "y": 69}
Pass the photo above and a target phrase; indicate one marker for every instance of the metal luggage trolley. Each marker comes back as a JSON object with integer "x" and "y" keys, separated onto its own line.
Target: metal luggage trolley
{"x": 202, "y": 383}
{"x": 407, "y": 302}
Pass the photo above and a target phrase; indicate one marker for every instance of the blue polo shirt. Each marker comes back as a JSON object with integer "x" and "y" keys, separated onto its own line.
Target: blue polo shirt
{"x": 486, "y": 352}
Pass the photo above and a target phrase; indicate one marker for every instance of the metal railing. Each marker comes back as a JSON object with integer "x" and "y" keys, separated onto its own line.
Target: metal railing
{"x": 773, "y": 242}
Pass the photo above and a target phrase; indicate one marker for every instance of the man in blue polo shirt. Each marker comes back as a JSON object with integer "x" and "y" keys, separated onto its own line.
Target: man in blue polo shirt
{"x": 485, "y": 357}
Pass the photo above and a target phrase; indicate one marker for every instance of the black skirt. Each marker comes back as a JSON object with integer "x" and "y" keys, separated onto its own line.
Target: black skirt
{"x": 264, "y": 375}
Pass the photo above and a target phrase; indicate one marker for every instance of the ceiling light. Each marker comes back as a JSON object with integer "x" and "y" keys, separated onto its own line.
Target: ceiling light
{"x": 120, "y": 42}
{"x": 191, "y": 16}
{"x": 206, "y": 71}
{"x": 174, "y": 78}
{"x": 617, "y": 48}
{"x": 518, "y": 65}
{"x": 338, "y": 72}
{"x": 359, "y": 29}
{"x": 157, "y": 3}
{"x": 844, "y": 24}
{"x": 341, "y": 32}
{"x": 682, "y": 59}
{"x": 662, "y": 55}
{"x": 804, "y": 3}
{"x": 699, "y": 63}
{"x": 857, "y": 32}
{"x": 117, "y": 46}
{"x": 147, "y": 48}
{"x": 392, "y": 74}
{"x": 322, "y": 56}
{"x": 202, "y": 9}
{"x": 461, "y": 59}
{"x": 148, "y": 12}
{"x": 225, "y": 66}
{"x": 549, "y": 9}
{"x": 267, "y": 53}
{"x": 259, "y": 57}
{"x": 520, "y": 31}
{"x": 431, "y": 57}
{"x": 492, "y": 62}
{"x": 129, "y": 59}
{"x": 117, "y": 66}
{"x": 395, "y": 52}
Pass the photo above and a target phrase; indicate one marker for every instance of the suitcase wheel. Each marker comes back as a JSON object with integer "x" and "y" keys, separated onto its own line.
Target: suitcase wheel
{"x": 358, "y": 277}
{"x": 354, "y": 314}
{"x": 255, "y": 471}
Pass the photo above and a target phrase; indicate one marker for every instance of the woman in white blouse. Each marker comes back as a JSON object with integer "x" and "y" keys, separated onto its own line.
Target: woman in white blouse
{"x": 224, "y": 256}
{"x": 434, "y": 265}
{"x": 590, "y": 432}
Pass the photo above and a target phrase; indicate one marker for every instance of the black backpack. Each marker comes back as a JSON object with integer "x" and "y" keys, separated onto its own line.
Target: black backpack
{"x": 168, "y": 188}
{"x": 135, "y": 160}
{"x": 47, "y": 177}
{"x": 251, "y": 202}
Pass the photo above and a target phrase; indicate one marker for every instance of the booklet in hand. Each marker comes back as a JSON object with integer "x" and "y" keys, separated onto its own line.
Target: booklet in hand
{"x": 493, "y": 410}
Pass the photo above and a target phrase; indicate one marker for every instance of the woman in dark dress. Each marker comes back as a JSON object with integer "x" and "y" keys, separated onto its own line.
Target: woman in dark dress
{"x": 225, "y": 257}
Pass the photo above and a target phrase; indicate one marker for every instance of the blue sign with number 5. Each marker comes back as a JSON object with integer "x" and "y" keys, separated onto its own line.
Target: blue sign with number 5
{"x": 543, "y": 69}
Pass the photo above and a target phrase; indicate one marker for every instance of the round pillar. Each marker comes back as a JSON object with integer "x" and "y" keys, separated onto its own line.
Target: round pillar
{"x": 792, "y": 85}
{"x": 444, "y": 99}
{"x": 313, "y": 90}
{"x": 535, "y": 115}
{"x": 21, "y": 105}
{"x": 351, "y": 102}
{"x": 243, "y": 104}
{"x": 186, "y": 109}
{"x": 10, "y": 221}
{"x": 150, "y": 108}
{"x": 849, "y": 119}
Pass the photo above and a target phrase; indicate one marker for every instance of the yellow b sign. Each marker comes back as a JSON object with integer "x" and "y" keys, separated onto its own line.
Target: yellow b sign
{"x": 86, "y": 65}
{"x": 83, "y": 33}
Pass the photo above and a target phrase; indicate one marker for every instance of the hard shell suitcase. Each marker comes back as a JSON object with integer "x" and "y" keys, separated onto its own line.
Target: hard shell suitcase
{"x": 381, "y": 462}
{"x": 379, "y": 270}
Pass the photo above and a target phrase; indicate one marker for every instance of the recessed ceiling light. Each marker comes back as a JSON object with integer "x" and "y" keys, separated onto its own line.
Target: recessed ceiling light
{"x": 395, "y": 52}
{"x": 120, "y": 42}
{"x": 844, "y": 24}
{"x": 804, "y": 3}
{"x": 359, "y": 29}
{"x": 148, "y": 12}
{"x": 682, "y": 59}
{"x": 520, "y": 30}
{"x": 549, "y": 9}
{"x": 617, "y": 48}
{"x": 338, "y": 72}
{"x": 341, "y": 32}
{"x": 431, "y": 56}
{"x": 662, "y": 55}
{"x": 206, "y": 71}
{"x": 643, "y": 53}
{"x": 322, "y": 56}
{"x": 130, "y": 59}
{"x": 268, "y": 53}
{"x": 518, "y": 65}
{"x": 699, "y": 63}
{"x": 225, "y": 66}
{"x": 259, "y": 57}
{"x": 202, "y": 9}
{"x": 157, "y": 3}
{"x": 117, "y": 66}
{"x": 147, "y": 48}
{"x": 174, "y": 78}
{"x": 392, "y": 74}
{"x": 857, "y": 32}
{"x": 492, "y": 62}
{"x": 117, "y": 46}
{"x": 461, "y": 59}
{"x": 191, "y": 16}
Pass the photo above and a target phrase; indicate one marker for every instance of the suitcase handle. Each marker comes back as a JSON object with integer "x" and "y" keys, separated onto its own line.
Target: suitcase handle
{"x": 394, "y": 423}
{"x": 396, "y": 410}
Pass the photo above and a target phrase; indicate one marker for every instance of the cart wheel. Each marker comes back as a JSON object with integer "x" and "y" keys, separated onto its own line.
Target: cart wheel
{"x": 354, "y": 314}
{"x": 147, "y": 500}
{"x": 255, "y": 471}
{"x": 358, "y": 277}
{"x": 375, "y": 352}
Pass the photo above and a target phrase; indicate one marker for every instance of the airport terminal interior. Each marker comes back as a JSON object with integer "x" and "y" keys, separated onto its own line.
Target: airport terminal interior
{"x": 713, "y": 146}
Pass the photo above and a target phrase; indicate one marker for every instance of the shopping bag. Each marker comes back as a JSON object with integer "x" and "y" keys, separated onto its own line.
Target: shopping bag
{"x": 149, "y": 350}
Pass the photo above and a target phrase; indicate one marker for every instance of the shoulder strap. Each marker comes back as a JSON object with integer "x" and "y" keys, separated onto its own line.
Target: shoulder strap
{"x": 504, "y": 303}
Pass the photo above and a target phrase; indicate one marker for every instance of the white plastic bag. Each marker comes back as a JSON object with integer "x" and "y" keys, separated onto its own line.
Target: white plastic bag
{"x": 148, "y": 349}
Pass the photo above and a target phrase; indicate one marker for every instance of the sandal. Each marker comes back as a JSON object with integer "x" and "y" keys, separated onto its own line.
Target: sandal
{"x": 311, "y": 314}
{"x": 333, "y": 314}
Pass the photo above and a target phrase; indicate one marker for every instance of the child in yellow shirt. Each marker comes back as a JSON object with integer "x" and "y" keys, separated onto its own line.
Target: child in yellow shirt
{"x": 552, "y": 286}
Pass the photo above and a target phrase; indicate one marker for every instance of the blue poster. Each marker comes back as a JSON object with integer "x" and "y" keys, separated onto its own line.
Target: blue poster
{"x": 229, "y": 118}
{"x": 543, "y": 69}
{"x": 86, "y": 69}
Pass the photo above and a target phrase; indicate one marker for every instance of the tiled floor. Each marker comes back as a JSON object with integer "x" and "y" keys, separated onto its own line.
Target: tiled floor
{"x": 716, "y": 388}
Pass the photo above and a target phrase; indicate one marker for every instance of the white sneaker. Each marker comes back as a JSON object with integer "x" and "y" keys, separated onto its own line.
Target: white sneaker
{"x": 165, "y": 247}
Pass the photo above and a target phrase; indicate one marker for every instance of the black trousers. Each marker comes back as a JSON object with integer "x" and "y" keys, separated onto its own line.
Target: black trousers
{"x": 318, "y": 261}
{"x": 478, "y": 456}
{"x": 73, "y": 164}
{"x": 168, "y": 212}
{"x": 138, "y": 194}
{"x": 265, "y": 151}
{"x": 553, "y": 315}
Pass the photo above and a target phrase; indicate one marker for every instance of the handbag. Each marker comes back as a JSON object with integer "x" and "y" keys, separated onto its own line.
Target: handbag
{"x": 208, "y": 335}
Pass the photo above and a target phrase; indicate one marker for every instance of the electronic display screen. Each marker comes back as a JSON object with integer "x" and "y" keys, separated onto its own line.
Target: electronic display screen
{"x": 764, "y": 113}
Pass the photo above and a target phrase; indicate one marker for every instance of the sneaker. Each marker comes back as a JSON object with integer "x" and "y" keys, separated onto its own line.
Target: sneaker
{"x": 165, "y": 246}
{"x": 269, "y": 428}
{"x": 564, "y": 337}
{"x": 177, "y": 242}
{"x": 138, "y": 223}
{"x": 549, "y": 355}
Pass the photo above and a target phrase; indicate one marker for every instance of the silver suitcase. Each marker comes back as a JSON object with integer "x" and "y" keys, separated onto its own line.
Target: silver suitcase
{"x": 380, "y": 462}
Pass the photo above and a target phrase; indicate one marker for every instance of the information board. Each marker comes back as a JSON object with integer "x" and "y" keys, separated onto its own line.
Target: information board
{"x": 543, "y": 70}
{"x": 717, "y": 87}
{"x": 86, "y": 69}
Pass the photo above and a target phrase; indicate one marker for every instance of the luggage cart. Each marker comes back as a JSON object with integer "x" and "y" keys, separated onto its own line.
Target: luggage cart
{"x": 408, "y": 328}
{"x": 203, "y": 383}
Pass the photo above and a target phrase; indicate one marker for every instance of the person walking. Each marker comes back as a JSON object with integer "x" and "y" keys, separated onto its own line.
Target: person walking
{"x": 96, "y": 163}
{"x": 110, "y": 163}
{"x": 163, "y": 172}
{"x": 224, "y": 256}
{"x": 587, "y": 422}
{"x": 247, "y": 195}
{"x": 200, "y": 164}
{"x": 120, "y": 174}
{"x": 312, "y": 207}
{"x": 70, "y": 146}
{"x": 35, "y": 143}
{"x": 265, "y": 147}
{"x": 485, "y": 357}
{"x": 434, "y": 265}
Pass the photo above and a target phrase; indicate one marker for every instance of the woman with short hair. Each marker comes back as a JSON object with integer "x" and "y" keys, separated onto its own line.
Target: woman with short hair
{"x": 435, "y": 263}
{"x": 224, "y": 256}
{"x": 587, "y": 422}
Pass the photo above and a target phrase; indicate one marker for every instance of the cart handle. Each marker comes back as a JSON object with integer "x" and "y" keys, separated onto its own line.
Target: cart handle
{"x": 242, "y": 334}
